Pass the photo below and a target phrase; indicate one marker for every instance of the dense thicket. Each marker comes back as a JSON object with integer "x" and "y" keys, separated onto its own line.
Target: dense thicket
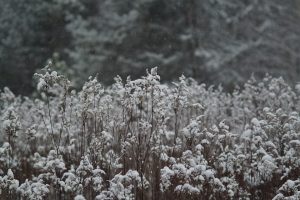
{"x": 140, "y": 139}
{"x": 212, "y": 41}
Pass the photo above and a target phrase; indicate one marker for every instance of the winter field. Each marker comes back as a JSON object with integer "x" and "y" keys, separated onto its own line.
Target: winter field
{"x": 140, "y": 139}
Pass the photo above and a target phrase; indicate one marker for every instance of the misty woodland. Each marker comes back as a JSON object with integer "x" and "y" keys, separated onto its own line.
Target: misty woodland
{"x": 213, "y": 41}
{"x": 140, "y": 139}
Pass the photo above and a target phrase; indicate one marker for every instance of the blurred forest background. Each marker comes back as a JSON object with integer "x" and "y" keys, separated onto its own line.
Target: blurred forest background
{"x": 213, "y": 41}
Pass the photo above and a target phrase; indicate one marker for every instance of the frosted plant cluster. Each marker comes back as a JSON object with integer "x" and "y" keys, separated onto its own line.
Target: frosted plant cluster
{"x": 141, "y": 139}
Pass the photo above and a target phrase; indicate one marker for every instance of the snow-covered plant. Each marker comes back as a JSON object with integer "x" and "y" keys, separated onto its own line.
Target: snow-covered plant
{"x": 290, "y": 190}
{"x": 11, "y": 125}
{"x": 33, "y": 190}
{"x": 124, "y": 186}
{"x": 53, "y": 163}
{"x": 8, "y": 185}
{"x": 141, "y": 139}
{"x": 83, "y": 180}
